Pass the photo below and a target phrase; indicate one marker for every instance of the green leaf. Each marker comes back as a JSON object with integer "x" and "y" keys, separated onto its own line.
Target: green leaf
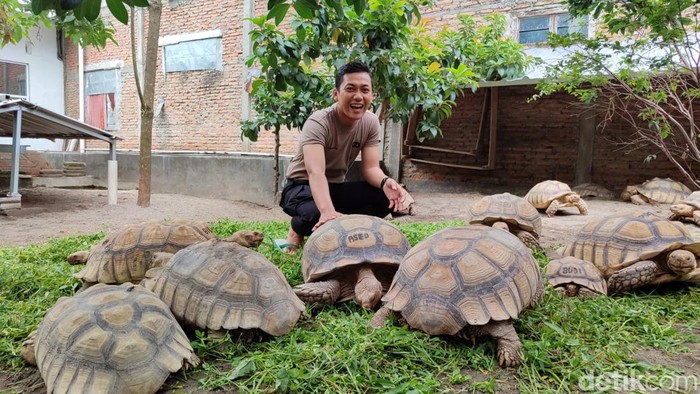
{"x": 141, "y": 3}
{"x": 244, "y": 368}
{"x": 117, "y": 8}
{"x": 337, "y": 5}
{"x": 89, "y": 9}
{"x": 306, "y": 8}
{"x": 278, "y": 12}
{"x": 360, "y": 6}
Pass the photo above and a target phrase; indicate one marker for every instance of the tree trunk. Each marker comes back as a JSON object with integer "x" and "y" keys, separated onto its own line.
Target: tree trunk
{"x": 149, "y": 85}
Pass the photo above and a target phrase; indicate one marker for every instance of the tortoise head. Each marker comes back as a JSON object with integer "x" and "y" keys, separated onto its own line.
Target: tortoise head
{"x": 682, "y": 261}
{"x": 368, "y": 289}
{"x": 629, "y": 191}
{"x": 247, "y": 238}
{"x": 572, "y": 198}
{"x": 685, "y": 210}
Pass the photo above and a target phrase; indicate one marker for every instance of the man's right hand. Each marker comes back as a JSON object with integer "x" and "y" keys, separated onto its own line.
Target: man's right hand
{"x": 326, "y": 217}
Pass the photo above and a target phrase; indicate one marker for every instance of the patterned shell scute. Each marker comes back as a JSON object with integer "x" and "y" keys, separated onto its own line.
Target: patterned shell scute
{"x": 693, "y": 200}
{"x": 110, "y": 339}
{"x": 543, "y": 193}
{"x": 221, "y": 285}
{"x": 615, "y": 242}
{"x": 464, "y": 276}
{"x": 351, "y": 240}
{"x": 665, "y": 191}
{"x": 508, "y": 208}
{"x": 574, "y": 270}
{"x": 123, "y": 256}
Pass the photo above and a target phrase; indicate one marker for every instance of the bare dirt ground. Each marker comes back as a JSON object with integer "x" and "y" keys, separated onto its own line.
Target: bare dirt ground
{"x": 55, "y": 213}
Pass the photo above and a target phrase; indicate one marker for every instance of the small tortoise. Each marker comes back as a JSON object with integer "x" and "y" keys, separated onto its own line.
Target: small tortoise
{"x": 655, "y": 191}
{"x": 687, "y": 210}
{"x": 126, "y": 255}
{"x": 593, "y": 190}
{"x": 511, "y": 213}
{"x": 634, "y": 251}
{"x": 353, "y": 256}
{"x": 467, "y": 282}
{"x": 108, "y": 339}
{"x": 219, "y": 285}
{"x": 552, "y": 195}
{"x": 571, "y": 276}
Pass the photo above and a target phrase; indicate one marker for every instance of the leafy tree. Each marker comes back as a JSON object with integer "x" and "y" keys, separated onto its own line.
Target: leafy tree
{"x": 412, "y": 68}
{"x": 18, "y": 20}
{"x": 642, "y": 67}
{"x": 74, "y": 16}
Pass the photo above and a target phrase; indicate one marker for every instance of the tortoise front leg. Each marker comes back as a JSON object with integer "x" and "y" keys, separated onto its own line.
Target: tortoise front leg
{"x": 553, "y": 208}
{"x": 529, "y": 240}
{"x": 637, "y": 199}
{"x": 582, "y": 207}
{"x": 321, "y": 293}
{"x": 634, "y": 276}
{"x": 508, "y": 346}
{"x": 380, "y": 317}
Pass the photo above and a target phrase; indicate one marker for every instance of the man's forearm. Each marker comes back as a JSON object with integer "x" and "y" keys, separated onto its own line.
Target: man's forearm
{"x": 321, "y": 192}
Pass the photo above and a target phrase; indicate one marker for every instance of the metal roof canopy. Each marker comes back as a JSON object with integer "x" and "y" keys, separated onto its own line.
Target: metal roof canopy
{"x": 20, "y": 118}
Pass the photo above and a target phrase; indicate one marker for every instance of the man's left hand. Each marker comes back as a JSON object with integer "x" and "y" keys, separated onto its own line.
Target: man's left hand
{"x": 395, "y": 193}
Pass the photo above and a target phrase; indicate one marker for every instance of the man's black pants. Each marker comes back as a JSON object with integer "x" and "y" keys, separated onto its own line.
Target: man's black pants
{"x": 348, "y": 198}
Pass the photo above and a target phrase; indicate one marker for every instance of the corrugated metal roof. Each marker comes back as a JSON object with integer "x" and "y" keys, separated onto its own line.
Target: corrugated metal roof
{"x": 39, "y": 122}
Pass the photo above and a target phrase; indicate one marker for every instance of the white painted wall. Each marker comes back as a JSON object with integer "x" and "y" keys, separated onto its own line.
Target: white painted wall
{"x": 45, "y": 77}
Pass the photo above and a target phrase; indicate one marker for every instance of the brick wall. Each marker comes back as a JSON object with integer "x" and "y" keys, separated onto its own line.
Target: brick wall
{"x": 535, "y": 141}
{"x": 203, "y": 108}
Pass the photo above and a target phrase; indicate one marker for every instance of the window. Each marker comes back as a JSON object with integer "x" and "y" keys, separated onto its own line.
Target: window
{"x": 13, "y": 79}
{"x": 536, "y": 28}
{"x": 193, "y": 55}
{"x": 102, "y": 104}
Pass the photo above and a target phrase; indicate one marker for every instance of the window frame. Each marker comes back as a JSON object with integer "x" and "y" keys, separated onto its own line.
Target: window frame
{"x": 553, "y": 25}
{"x": 112, "y": 121}
{"x": 171, "y": 40}
{"x": 24, "y": 96}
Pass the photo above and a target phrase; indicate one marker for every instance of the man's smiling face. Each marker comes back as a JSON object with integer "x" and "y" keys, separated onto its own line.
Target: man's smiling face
{"x": 353, "y": 97}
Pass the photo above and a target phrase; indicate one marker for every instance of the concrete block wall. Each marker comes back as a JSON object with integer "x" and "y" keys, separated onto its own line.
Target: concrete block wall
{"x": 245, "y": 177}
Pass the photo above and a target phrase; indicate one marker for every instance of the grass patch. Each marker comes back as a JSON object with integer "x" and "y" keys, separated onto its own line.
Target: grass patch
{"x": 335, "y": 350}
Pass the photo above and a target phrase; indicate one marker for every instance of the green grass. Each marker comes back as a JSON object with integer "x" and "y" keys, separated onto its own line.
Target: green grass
{"x": 335, "y": 350}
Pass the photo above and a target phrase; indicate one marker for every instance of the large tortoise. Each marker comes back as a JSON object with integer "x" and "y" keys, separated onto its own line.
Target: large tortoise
{"x": 571, "y": 277}
{"x": 593, "y": 190}
{"x": 108, "y": 339}
{"x": 466, "y": 281}
{"x": 126, "y": 255}
{"x": 657, "y": 190}
{"x": 218, "y": 285}
{"x": 687, "y": 210}
{"x": 351, "y": 257}
{"x": 510, "y": 213}
{"x": 633, "y": 251}
{"x": 551, "y": 195}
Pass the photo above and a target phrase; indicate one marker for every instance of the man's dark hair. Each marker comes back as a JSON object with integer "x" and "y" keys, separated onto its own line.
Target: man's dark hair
{"x": 350, "y": 68}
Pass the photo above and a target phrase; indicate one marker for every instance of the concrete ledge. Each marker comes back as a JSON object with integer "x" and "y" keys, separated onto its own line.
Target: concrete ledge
{"x": 64, "y": 181}
{"x": 10, "y": 203}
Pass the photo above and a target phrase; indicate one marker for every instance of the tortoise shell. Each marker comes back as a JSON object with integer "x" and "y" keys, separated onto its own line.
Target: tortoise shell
{"x": 125, "y": 256}
{"x": 110, "y": 339}
{"x": 219, "y": 285}
{"x": 543, "y": 193}
{"x": 593, "y": 190}
{"x": 348, "y": 242}
{"x": 665, "y": 191}
{"x": 461, "y": 276}
{"x": 572, "y": 270}
{"x": 615, "y": 242}
{"x": 506, "y": 207}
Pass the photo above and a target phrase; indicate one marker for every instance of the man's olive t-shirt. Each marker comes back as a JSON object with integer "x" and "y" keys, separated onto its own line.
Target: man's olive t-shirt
{"x": 341, "y": 144}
